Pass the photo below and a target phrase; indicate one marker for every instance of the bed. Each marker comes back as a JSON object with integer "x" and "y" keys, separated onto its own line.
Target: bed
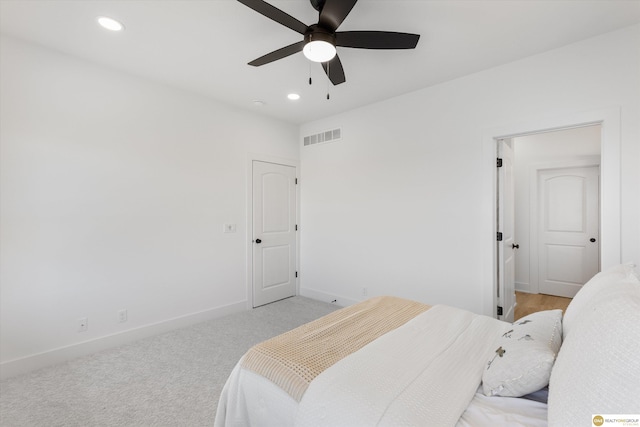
{"x": 389, "y": 361}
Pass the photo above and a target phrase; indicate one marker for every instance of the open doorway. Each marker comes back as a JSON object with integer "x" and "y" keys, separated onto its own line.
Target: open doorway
{"x": 556, "y": 216}
{"x": 609, "y": 221}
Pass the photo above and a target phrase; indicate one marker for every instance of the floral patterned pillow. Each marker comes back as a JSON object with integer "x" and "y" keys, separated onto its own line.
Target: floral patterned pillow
{"x": 525, "y": 355}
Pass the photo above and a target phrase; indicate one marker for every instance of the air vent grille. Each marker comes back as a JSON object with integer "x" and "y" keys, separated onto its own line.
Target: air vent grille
{"x": 322, "y": 137}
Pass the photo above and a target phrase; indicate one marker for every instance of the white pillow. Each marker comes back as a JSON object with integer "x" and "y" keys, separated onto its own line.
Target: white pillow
{"x": 592, "y": 292}
{"x": 598, "y": 367}
{"x": 522, "y": 363}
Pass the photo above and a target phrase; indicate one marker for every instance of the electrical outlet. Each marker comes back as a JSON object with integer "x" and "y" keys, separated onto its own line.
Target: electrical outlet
{"x": 229, "y": 228}
{"x": 83, "y": 324}
{"x": 365, "y": 291}
{"x": 122, "y": 316}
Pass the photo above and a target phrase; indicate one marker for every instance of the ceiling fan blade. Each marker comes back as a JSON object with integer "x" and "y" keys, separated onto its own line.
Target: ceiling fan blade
{"x": 376, "y": 39}
{"x": 334, "y": 12}
{"x": 278, "y": 54}
{"x": 275, "y": 14}
{"x": 334, "y": 70}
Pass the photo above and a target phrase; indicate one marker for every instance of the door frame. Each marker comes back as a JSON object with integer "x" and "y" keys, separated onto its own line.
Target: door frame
{"x": 586, "y": 161}
{"x": 610, "y": 181}
{"x": 251, "y": 157}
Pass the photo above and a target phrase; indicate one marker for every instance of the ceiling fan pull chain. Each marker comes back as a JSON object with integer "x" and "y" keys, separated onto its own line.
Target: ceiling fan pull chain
{"x": 310, "y": 74}
{"x": 329, "y": 79}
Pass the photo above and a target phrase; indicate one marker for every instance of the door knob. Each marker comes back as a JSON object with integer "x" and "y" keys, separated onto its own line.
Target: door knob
{"x": 258, "y": 241}
{"x": 514, "y": 246}
{"x": 592, "y": 240}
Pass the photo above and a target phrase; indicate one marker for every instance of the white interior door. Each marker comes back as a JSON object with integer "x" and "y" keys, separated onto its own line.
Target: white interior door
{"x": 274, "y": 232}
{"x": 506, "y": 246}
{"x": 568, "y": 231}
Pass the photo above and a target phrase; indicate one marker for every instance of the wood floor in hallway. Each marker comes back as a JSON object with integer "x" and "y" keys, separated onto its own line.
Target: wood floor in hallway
{"x": 530, "y": 303}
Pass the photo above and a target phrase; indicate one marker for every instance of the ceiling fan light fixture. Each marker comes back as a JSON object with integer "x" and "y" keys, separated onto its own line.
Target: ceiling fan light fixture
{"x": 319, "y": 51}
{"x": 320, "y": 46}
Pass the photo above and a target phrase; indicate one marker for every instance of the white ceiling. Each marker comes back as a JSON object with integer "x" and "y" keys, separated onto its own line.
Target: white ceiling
{"x": 203, "y": 46}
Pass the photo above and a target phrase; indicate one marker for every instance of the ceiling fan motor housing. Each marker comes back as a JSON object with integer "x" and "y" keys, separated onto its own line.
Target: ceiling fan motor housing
{"x": 316, "y": 33}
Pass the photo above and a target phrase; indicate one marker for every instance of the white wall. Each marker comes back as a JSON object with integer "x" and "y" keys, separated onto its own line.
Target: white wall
{"x": 114, "y": 192}
{"x": 544, "y": 148}
{"x": 398, "y": 205}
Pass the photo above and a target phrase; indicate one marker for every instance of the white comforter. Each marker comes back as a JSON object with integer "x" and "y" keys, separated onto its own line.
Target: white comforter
{"x": 423, "y": 373}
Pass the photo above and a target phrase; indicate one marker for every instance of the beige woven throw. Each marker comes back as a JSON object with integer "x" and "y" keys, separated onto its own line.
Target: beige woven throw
{"x": 292, "y": 360}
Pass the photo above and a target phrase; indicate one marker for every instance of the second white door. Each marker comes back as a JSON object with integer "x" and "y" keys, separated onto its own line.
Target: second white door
{"x": 274, "y": 232}
{"x": 506, "y": 226}
{"x": 568, "y": 229}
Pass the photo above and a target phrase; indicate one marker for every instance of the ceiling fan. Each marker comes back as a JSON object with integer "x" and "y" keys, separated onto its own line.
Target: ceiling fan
{"x": 320, "y": 40}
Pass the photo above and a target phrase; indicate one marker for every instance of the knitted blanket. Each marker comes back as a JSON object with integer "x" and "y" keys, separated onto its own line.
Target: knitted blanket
{"x": 292, "y": 360}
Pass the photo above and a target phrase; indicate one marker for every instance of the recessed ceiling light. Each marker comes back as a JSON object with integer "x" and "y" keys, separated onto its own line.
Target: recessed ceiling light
{"x": 110, "y": 23}
{"x": 293, "y": 96}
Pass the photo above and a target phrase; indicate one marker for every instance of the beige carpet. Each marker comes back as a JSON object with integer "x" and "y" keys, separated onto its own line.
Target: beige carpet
{"x": 173, "y": 379}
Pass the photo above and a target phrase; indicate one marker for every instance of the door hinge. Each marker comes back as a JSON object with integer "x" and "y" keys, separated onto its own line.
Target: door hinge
{"x": 296, "y": 227}
{"x": 296, "y": 274}
{"x": 499, "y": 236}
{"x": 499, "y": 162}
{"x": 499, "y": 311}
{"x": 296, "y": 181}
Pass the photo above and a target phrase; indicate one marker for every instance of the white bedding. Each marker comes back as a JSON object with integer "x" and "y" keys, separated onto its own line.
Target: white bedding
{"x": 428, "y": 369}
{"x": 276, "y": 408}
{"x": 249, "y": 399}
{"x": 484, "y": 411}
{"x": 433, "y": 377}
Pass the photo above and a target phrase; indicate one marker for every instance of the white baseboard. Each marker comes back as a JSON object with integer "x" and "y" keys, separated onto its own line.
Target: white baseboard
{"x": 522, "y": 287}
{"x": 59, "y": 355}
{"x": 330, "y": 298}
